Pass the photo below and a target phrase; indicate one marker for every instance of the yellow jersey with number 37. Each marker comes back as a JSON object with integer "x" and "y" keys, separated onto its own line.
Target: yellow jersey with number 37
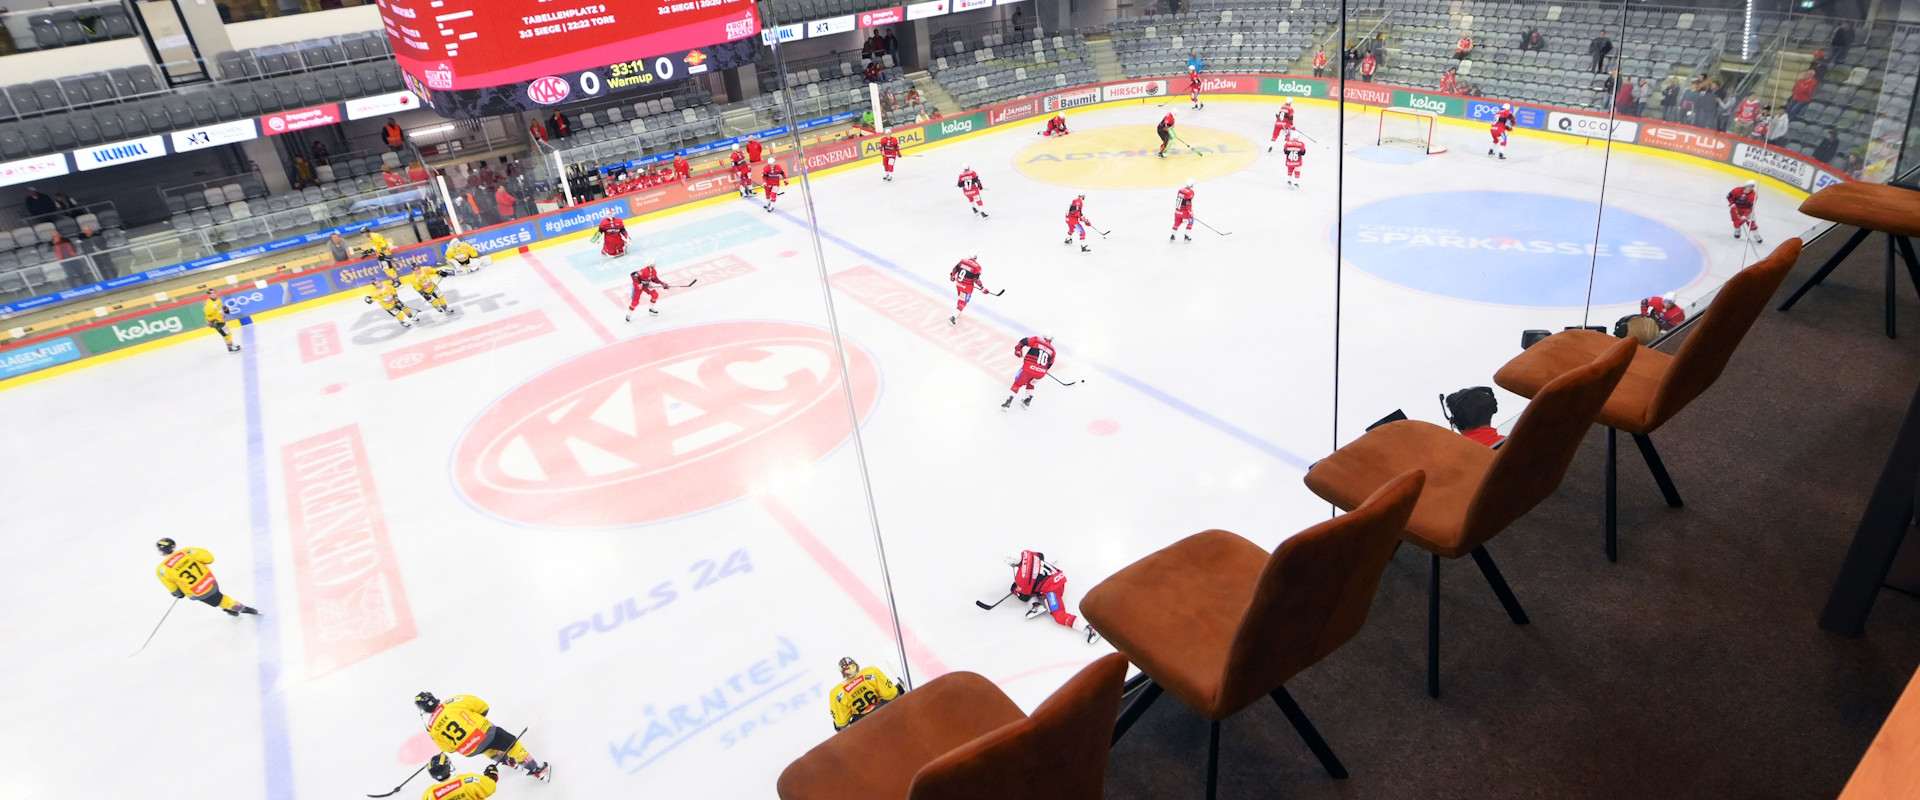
{"x": 460, "y": 725}
{"x": 186, "y": 571}
{"x": 462, "y": 787}
{"x": 860, "y": 695}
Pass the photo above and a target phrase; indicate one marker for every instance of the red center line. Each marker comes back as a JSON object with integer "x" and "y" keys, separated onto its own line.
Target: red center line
{"x": 573, "y": 302}
{"x": 923, "y": 659}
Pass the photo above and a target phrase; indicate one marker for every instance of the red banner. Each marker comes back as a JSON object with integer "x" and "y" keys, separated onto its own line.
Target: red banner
{"x": 1371, "y": 95}
{"x": 1692, "y": 141}
{"x": 883, "y": 16}
{"x": 353, "y": 603}
{"x": 301, "y": 119}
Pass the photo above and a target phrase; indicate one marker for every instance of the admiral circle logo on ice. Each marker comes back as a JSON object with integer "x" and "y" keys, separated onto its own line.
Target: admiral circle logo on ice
{"x": 662, "y": 425}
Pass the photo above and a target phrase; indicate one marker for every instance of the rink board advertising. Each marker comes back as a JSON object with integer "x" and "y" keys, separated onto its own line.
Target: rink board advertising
{"x": 183, "y": 316}
{"x": 470, "y": 58}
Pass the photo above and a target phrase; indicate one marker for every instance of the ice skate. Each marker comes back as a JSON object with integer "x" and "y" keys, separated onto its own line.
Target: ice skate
{"x": 1756, "y": 238}
{"x": 1092, "y": 636}
{"x": 1085, "y": 249}
{"x": 539, "y": 771}
{"x": 768, "y": 207}
{"x": 233, "y": 348}
{"x": 1026, "y": 402}
{"x": 1489, "y": 151}
{"x": 629, "y": 316}
{"x": 1503, "y": 156}
{"x": 1188, "y": 237}
{"x": 1068, "y": 240}
{"x": 653, "y": 311}
{"x": 1169, "y": 237}
{"x": 953, "y": 320}
{"x": 249, "y": 610}
{"x": 984, "y": 215}
{"x": 1269, "y": 148}
{"x": 1036, "y": 608}
{"x": 1007, "y": 405}
{"x": 1736, "y": 233}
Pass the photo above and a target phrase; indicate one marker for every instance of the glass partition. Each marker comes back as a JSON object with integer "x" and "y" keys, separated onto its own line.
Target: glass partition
{"x": 1065, "y": 293}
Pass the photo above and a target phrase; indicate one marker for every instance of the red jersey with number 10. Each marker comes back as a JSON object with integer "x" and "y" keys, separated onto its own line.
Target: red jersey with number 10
{"x": 1036, "y": 353}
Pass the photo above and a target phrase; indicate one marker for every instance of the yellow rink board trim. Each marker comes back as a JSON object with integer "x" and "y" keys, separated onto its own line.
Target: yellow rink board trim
{"x": 863, "y": 161}
{"x": 1126, "y": 157}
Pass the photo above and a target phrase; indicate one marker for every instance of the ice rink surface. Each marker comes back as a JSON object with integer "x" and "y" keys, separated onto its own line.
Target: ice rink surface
{"x": 648, "y": 543}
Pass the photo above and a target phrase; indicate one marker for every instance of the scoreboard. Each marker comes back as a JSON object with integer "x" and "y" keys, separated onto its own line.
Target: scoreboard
{"x": 471, "y": 58}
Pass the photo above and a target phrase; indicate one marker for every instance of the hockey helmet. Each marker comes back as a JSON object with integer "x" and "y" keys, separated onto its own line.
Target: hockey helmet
{"x": 1059, "y": 115}
{"x": 736, "y": 147}
{"x": 1189, "y": 183}
{"x": 1667, "y": 297}
{"x": 849, "y": 667}
{"x": 1506, "y": 106}
{"x": 1289, "y": 102}
{"x": 455, "y": 242}
{"x": 887, "y": 131}
{"x": 1012, "y": 560}
{"x": 1047, "y": 336}
{"x": 966, "y": 167}
{"x": 1082, "y": 194}
{"x": 440, "y": 767}
{"x": 1753, "y": 184}
{"x": 165, "y": 545}
{"x": 426, "y": 702}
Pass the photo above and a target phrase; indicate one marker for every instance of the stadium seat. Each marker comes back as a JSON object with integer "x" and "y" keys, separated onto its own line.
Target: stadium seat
{"x": 232, "y": 193}
{"x": 329, "y": 85}
{"x": 50, "y": 97}
{"x": 133, "y": 123}
{"x": 179, "y": 113}
{"x": 60, "y": 133}
{"x": 66, "y": 226}
{"x": 45, "y": 35}
{"x": 109, "y": 218}
{"x": 23, "y": 98}
{"x": 143, "y": 79}
{"x": 201, "y": 106}
{"x": 309, "y": 90}
{"x": 70, "y": 32}
{"x": 114, "y": 23}
{"x": 23, "y": 236}
{"x": 213, "y": 196}
{"x": 13, "y": 143}
{"x": 44, "y": 231}
{"x": 85, "y": 130}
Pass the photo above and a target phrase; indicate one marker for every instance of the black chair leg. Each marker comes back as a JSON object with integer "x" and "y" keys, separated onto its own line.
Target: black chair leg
{"x": 1500, "y": 588}
{"x": 1284, "y": 699}
{"x": 1613, "y": 496}
{"x": 1433, "y": 625}
{"x": 1134, "y": 709}
{"x": 1890, "y": 251}
{"x": 1913, "y": 264}
{"x": 1827, "y": 268}
{"x": 1659, "y": 469}
{"x": 1213, "y": 758}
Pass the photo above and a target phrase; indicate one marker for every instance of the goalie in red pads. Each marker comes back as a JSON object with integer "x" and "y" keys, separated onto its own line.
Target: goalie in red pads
{"x": 1502, "y": 122}
{"x": 1036, "y": 357}
{"x": 1041, "y": 584}
{"x": 971, "y": 187}
{"x": 1740, "y": 207}
{"x": 613, "y": 237}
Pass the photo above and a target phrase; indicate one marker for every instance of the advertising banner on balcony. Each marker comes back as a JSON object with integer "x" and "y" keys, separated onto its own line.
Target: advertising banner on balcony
{"x": 301, "y": 119}
{"x": 1773, "y": 163}
{"x": 27, "y": 169}
{"x": 883, "y": 16}
{"x": 1592, "y": 127}
{"x": 830, "y": 26}
{"x": 1439, "y": 104}
{"x": 925, "y": 10}
{"x": 126, "y": 152}
{"x": 382, "y": 104}
{"x": 238, "y": 130}
{"x": 1692, "y": 141}
{"x": 1294, "y": 87}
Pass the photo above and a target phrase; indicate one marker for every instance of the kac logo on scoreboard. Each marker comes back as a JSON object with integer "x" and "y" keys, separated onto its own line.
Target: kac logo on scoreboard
{"x": 549, "y": 90}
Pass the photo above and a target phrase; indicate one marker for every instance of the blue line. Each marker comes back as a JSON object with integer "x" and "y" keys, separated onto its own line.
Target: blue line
{"x": 1141, "y": 386}
{"x": 709, "y": 723}
{"x": 276, "y": 749}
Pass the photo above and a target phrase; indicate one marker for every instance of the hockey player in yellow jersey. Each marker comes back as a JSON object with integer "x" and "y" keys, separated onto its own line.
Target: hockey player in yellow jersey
{"x": 860, "y": 692}
{"x": 386, "y": 294}
{"x": 463, "y": 258}
{"x": 426, "y": 281}
{"x": 184, "y": 572}
{"x": 447, "y": 786}
{"x": 460, "y": 725}
{"x": 216, "y": 313}
{"x": 379, "y": 244}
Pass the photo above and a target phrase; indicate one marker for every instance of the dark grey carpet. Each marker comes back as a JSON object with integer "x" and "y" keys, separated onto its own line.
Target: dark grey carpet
{"x": 1692, "y": 668}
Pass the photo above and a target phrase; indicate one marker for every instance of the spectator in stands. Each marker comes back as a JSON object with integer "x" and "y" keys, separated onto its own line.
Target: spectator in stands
{"x": 1019, "y": 22}
{"x": 337, "y": 245}
{"x": 1745, "y": 116}
{"x": 893, "y": 45}
{"x": 393, "y": 136}
{"x": 1670, "y": 98}
{"x": 1450, "y": 81}
{"x": 1623, "y": 97}
{"x": 1320, "y": 62}
{"x": 1463, "y": 48}
{"x": 95, "y": 246}
{"x": 485, "y": 176}
{"x": 557, "y": 127}
{"x": 1842, "y": 41}
{"x": 1718, "y": 107}
{"x": 1802, "y": 94}
{"x": 1599, "y": 48}
{"x": 38, "y": 205}
{"x": 417, "y": 172}
{"x": 1642, "y": 94}
{"x": 503, "y": 202}
{"x": 1819, "y": 65}
{"x": 536, "y": 134}
{"x": 1194, "y": 64}
{"x": 71, "y": 263}
{"x": 320, "y": 153}
{"x": 392, "y": 179}
{"x": 875, "y": 46}
{"x": 1690, "y": 104}
{"x": 1379, "y": 50}
{"x": 65, "y": 205}
{"x": 1775, "y": 124}
{"x": 1526, "y": 40}
{"x": 681, "y": 169}
{"x": 1367, "y": 66}
{"x": 1349, "y": 60}
{"x": 873, "y": 74}
{"x": 303, "y": 174}
{"x": 1827, "y": 148}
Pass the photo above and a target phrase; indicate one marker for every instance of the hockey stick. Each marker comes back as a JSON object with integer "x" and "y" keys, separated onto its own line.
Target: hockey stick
{"x": 996, "y": 603}
{"x": 1304, "y": 133}
{"x": 156, "y": 627}
{"x": 1065, "y": 383}
{"x": 995, "y": 294}
{"x": 1190, "y": 148}
{"x": 403, "y": 784}
{"x": 1211, "y": 228}
{"x": 684, "y": 285}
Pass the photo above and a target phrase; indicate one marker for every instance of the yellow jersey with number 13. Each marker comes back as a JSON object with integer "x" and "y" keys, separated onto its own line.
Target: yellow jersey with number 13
{"x": 460, "y": 725}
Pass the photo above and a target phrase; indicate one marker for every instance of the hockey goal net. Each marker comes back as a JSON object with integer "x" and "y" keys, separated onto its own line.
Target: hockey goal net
{"x": 1411, "y": 128}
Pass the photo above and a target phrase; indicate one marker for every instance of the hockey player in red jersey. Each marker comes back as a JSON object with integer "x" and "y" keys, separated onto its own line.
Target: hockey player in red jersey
{"x": 1077, "y": 221}
{"x": 1502, "y": 122}
{"x": 742, "y": 172}
{"x": 1193, "y": 89}
{"x": 1664, "y": 310}
{"x": 971, "y": 187}
{"x": 774, "y": 176}
{"x": 889, "y": 153}
{"x": 1041, "y": 585}
{"x": 1296, "y": 152}
{"x": 1165, "y": 129}
{"x": 1183, "y": 211}
{"x": 1036, "y": 357}
{"x": 966, "y": 278}
{"x": 1057, "y": 126}
{"x": 1282, "y": 123}
{"x": 647, "y": 282}
{"x": 613, "y": 237}
{"x": 1740, "y": 207}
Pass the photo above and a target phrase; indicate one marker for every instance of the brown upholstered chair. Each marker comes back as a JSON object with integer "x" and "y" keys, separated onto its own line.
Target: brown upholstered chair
{"x": 1217, "y": 621}
{"x": 959, "y": 737}
{"x": 1657, "y": 386}
{"x": 1891, "y": 768}
{"x": 1872, "y": 207}
{"x": 1474, "y": 492}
